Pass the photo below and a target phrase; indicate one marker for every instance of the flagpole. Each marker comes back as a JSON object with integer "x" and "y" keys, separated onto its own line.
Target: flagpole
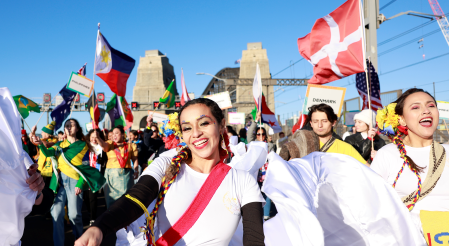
{"x": 93, "y": 79}
{"x": 362, "y": 21}
{"x": 25, "y": 123}
{"x": 73, "y": 104}
{"x": 368, "y": 84}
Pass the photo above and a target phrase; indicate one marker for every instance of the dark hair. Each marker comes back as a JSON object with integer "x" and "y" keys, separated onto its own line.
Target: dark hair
{"x": 218, "y": 115}
{"x": 100, "y": 134}
{"x": 213, "y": 106}
{"x": 331, "y": 116}
{"x": 134, "y": 132}
{"x": 231, "y": 130}
{"x": 399, "y": 109}
{"x": 79, "y": 134}
{"x": 60, "y": 133}
{"x": 242, "y": 133}
{"x": 263, "y": 129}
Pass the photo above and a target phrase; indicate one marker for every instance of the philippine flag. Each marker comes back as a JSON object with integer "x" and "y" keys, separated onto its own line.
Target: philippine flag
{"x": 112, "y": 66}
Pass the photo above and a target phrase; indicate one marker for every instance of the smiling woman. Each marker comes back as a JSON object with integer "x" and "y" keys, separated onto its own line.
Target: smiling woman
{"x": 197, "y": 190}
{"x": 417, "y": 166}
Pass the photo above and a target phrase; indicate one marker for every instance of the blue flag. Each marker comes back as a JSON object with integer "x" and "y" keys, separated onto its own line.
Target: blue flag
{"x": 62, "y": 111}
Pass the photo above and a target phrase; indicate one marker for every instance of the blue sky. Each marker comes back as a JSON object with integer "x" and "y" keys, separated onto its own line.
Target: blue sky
{"x": 43, "y": 42}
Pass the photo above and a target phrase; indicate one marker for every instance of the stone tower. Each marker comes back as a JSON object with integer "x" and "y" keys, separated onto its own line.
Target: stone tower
{"x": 250, "y": 57}
{"x": 154, "y": 75}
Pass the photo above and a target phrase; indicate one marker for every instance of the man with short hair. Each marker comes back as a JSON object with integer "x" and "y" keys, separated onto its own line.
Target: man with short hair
{"x": 322, "y": 120}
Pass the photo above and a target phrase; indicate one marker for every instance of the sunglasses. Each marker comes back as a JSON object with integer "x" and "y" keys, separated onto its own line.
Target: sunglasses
{"x": 258, "y": 134}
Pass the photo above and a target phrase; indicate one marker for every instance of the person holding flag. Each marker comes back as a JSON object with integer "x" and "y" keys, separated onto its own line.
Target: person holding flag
{"x": 119, "y": 171}
{"x": 48, "y": 140}
{"x": 70, "y": 177}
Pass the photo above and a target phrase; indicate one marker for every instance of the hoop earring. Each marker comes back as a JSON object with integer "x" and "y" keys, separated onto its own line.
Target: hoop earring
{"x": 223, "y": 144}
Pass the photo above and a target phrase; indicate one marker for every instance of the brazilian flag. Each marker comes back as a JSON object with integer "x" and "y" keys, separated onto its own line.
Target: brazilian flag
{"x": 169, "y": 96}
{"x": 25, "y": 105}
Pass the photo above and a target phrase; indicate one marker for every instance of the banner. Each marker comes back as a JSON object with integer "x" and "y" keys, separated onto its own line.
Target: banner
{"x": 330, "y": 95}
{"x": 158, "y": 117}
{"x": 235, "y": 118}
{"x": 89, "y": 127}
{"x": 349, "y": 117}
{"x": 222, "y": 99}
{"x": 80, "y": 84}
{"x": 443, "y": 108}
{"x": 435, "y": 227}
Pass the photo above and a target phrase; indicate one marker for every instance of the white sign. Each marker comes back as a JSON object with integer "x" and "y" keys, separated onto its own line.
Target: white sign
{"x": 89, "y": 126}
{"x": 59, "y": 100}
{"x": 222, "y": 99}
{"x": 349, "y": 117}
{"x": 80, "y": 84}
{"x": 443, "y": 109}
{"x": 330, "y": 95}
{"x": 158, "y": 117}
{"x": 235, "y": 118}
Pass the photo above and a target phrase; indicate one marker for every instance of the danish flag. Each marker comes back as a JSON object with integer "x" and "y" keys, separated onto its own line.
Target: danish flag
{"x": 335, "y": 45}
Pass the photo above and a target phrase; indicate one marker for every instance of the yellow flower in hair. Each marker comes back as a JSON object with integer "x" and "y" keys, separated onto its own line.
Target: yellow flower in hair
{"x": 381, "y": 117}
{"x": 391, "y": 108}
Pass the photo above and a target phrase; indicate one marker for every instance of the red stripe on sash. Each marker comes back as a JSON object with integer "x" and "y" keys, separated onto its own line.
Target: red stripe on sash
{"x": 196, "y": 208}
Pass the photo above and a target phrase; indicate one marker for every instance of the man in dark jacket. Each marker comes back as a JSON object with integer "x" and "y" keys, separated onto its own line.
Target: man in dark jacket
{"x": 151, "y": 143}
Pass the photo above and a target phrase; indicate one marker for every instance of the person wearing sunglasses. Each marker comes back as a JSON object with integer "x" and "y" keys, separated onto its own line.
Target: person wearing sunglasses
{"x": 256, "y": 133}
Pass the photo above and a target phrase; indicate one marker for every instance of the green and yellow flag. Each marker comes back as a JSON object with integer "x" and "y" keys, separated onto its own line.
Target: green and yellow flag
{"x": 169, "y": 96}
{"x": 25, "y": 105}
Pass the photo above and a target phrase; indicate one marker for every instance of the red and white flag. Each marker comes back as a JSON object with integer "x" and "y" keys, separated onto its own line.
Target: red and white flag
{"x": 257, "y": 89}
{"x": 185, "y": 95}
{"x": 335, "y": 45}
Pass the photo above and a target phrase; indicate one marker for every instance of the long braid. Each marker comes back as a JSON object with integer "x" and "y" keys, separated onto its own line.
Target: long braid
{"x": 398, "y": 141}
{"x": 176, "y": 162}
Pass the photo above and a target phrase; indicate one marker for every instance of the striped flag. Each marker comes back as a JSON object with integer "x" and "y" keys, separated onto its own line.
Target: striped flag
{"x": 82, "y": 70}
{"x": 185, "y": 95}
{"x": 376, "y": 102}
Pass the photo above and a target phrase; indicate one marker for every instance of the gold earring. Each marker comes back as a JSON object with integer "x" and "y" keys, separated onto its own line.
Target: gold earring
{"x": 223, "y": 144}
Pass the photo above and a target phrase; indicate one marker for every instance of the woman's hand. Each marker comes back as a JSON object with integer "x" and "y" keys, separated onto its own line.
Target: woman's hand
{"x": 92, "y": 237}
{"x": 35, "y": 181}
{"x": 373, "y": 154}
{"x": 77, "y": 191}
{"x": 258, "y": 116}
{"x": 372, "y": 133}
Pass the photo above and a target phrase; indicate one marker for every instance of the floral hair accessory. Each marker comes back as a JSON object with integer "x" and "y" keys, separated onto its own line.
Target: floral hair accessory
{"x": 171, "y": 130}
{"x": 388, "y": 120}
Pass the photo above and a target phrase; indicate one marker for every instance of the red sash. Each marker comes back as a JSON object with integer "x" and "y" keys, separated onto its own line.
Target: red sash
{"x": 196, "y": 208}
{"x": 121, "y": 160}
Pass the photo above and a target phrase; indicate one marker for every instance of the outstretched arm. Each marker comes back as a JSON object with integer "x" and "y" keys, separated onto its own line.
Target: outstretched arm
{"x": 122, "y": 213}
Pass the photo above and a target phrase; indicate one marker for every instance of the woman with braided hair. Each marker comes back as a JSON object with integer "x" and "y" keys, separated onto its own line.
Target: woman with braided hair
{"x": 199, "y": 200}
{"x": 414, "y": 164}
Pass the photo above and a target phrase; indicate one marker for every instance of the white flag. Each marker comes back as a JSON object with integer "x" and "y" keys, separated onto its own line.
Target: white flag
{"x": 257, "y": 89}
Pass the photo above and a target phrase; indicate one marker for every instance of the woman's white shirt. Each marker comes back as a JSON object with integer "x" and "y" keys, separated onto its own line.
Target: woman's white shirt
{"x": 388, "y": 163}
{"x": 220, "y": 218}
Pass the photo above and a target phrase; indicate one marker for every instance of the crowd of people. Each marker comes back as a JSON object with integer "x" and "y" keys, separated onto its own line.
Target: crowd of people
{"x": 181, "y": 188}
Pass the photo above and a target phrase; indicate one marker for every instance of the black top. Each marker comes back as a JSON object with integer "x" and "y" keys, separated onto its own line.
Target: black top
{"x": 363, "y": 146}
{"x": 148, "y": 146}
{"x": 124, "y": 211}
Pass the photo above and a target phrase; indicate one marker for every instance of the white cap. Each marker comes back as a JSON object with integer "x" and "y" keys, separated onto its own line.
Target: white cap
{"x": 365, "y": 116}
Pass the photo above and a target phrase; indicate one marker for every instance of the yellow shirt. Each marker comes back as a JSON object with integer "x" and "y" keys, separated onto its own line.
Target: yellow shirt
{"x": 112, "y": 157}
{"x": 341, "y": 147}
{"x": 44, "y": 163}
{"x": 76, "y": 161}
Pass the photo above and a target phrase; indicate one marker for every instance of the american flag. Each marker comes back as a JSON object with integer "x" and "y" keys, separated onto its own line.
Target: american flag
{"x": 376, "y": 102}
{"x": 82, "y": 70}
